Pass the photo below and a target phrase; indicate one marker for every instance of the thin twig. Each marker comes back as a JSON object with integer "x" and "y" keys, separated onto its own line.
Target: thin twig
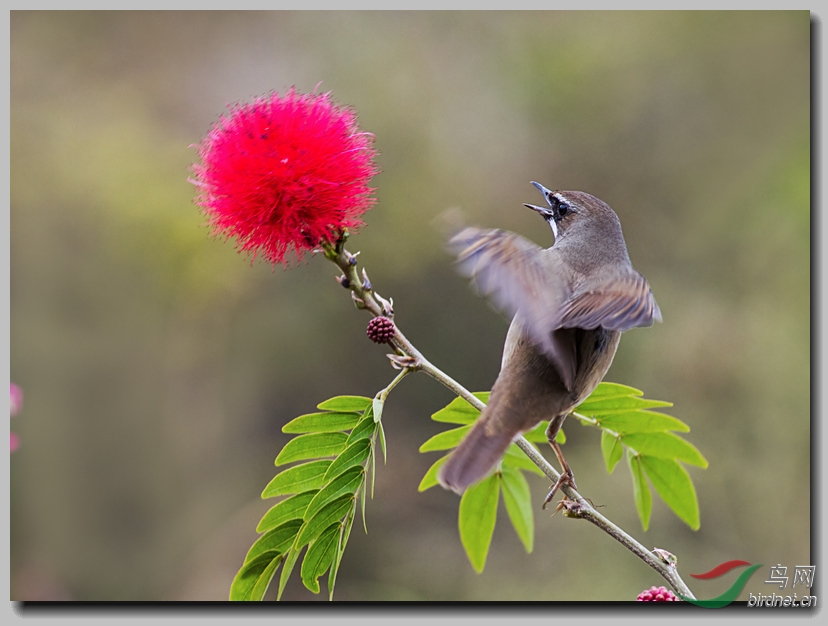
{"x": 365, "y": 296}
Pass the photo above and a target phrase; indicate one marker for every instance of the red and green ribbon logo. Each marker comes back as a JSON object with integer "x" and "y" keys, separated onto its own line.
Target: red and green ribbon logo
{"x": 735, "y": 589}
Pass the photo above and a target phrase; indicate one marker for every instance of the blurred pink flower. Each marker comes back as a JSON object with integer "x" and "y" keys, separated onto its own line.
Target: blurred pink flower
{"x": 16, "y": 403}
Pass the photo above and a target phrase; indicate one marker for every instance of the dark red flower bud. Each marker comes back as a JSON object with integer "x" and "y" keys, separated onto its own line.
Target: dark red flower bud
{"x": 380, "y": 330}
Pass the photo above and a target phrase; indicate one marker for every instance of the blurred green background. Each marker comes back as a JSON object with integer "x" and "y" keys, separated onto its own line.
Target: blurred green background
{"x": 158, "y": 365}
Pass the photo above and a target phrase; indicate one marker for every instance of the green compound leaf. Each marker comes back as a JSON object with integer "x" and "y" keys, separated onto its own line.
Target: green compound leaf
{"x": 430, "y": 478}
{"x": 445, "y": 440}
{"x": 642, "y": 421}
{"x": 347, "y": 482}
{"x": 612, "y": 450}
{"x": 312, "y": 446}
{"x": 254, "y": 577}
{"x": 278, "y": 539}
{"x": 458, "y": 411}
{"x": 673, "y": 484}
{"x": 478, "y": 513}
{"x": 518, "y": 501}
{"x": 664, "y": 446}
{"x": 517, "y": 459}
{"x": 641, "y": 490}
{"x": 290, "y": 508}
{"x": 355, "y": 454}
{"x": 346, "y": 404}
{"x": 332, "y": 512}
{"x": 319, "y": 556}
{"x": 297, "y": 479}
{"x": 326, "y": 422}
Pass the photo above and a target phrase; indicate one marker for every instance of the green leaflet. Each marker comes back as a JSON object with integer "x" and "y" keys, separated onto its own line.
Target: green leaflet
{"x": 326, "y": 422}
{"x": 291, "y": 557}
{"x": 665, "y": 446}
{"x": 365, "y": 428}
{"x": 346, "y": 404}
{"x": 253, "y": 579}
{"x": 458, "y": 411}
{"x": 320, "y": 556}
{"x": 286, "y": 510}
{"x": 312, "y": 446}
{"x": 641, "y": 490}
{"x": 641, "y": 421}
{"x": 430, "y": 478}
{"x": 608, "y": 391}
{"x": 331, "y": 512}
{"x": 518, "y": 501}
{"x": 673, "y": 484}
{"x": 278, "y": 539}
{"x": 297, "y": 479}
{"x": 616, "y": 403}
{"x": 347, "y": 482}
{"x": 445, "y": 440}
{"x": 355, "y": 454}
{"x": 476, "y": 520}
{"x": 612, "y": 450}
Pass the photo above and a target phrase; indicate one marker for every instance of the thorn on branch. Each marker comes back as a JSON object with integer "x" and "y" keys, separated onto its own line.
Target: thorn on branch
{"x": 570, "y": 508}
{"x": 401, "y": 362}
{"x": 387, "y": 306}
{"x": 668, "y": 558}
{"x": 359, "y": 302}
{"x": 366, "y": 284}
{"x": 343, "y": 280}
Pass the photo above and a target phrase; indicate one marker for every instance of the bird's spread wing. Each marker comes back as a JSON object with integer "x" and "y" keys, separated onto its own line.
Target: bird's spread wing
{"x": 620, "y": 301}
{"x": 517, "y": 275}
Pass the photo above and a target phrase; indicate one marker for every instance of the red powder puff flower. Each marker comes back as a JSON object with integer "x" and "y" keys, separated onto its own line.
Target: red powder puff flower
{"x": 285, "y": 172}
{"x": 657, "y": 594}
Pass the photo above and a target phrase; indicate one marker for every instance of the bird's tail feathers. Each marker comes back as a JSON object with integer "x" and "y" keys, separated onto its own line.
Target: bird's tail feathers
{"x": 476, "y": 455}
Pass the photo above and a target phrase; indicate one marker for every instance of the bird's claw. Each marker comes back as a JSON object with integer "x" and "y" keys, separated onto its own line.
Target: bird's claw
{"x": 566, "y": 478}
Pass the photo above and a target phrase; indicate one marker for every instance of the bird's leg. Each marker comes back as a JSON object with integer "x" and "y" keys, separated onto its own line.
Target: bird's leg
{"x": 566, "y": 477}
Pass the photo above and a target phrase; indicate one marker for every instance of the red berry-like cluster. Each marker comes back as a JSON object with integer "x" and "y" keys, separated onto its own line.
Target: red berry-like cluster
{"x": 285, "y": 173}
{"x": 657, "y": 594}
{"x": 380, "y": 329}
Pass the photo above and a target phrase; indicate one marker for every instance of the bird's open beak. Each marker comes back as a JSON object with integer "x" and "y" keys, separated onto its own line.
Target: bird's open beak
{"x": 539, "y": 209}
{"x": 546, "y": 194}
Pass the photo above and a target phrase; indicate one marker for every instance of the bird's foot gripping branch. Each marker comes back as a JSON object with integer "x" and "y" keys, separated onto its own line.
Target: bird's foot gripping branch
{"x": 290, "y": 175}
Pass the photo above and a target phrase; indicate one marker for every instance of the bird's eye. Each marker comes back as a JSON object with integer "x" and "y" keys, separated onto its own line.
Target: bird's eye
{"x": 563, "y": 209}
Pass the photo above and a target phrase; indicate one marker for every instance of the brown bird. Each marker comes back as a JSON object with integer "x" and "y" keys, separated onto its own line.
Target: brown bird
{"x": 570, "y": 303}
